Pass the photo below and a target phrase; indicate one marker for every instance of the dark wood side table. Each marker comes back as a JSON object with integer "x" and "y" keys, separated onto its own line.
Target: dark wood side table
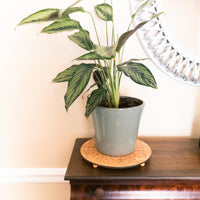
{"x": 173, "y": 172}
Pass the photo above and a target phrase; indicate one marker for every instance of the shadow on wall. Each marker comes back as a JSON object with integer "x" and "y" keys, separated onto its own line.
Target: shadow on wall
{"x": 196, "y": 122}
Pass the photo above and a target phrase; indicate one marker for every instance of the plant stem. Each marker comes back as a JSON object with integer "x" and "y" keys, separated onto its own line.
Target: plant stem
{"x": 129, "y": 26}
{"x": 107, "y": 33}
{"x": 75, "y": 3}
{"x": 95, "y": 28}
{"x": 113, "y": 28}
{"x": 113, "y": 74}
{"x": 132, "y": 19}
{"x": 106, "y": 29}
{"x": 114, "y": 85}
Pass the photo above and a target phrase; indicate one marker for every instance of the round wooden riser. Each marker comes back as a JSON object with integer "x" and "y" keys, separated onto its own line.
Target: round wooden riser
{"x": 139, "y": 156}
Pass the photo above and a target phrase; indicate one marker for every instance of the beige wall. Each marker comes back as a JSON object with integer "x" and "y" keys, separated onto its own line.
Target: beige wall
{"x": 35, "y": 130}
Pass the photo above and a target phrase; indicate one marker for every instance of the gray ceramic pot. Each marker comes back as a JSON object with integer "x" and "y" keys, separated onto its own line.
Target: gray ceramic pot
{"x": 116, "y": 129}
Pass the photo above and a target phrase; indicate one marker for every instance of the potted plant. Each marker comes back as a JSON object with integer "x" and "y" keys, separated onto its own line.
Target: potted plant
{"x": 116, "y": 118}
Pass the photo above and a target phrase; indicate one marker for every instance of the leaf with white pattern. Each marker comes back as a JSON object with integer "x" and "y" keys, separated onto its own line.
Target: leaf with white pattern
{"x": 63, "y": 25}
{"x": 82, "y": 38}
{"x": 139, "y": 73}
{"x": 96, "y": 97}
{"x": 78, "y": 83}
{"x": 106, "y": 52}
{"x": 66, "y": 75}
{"x": 71, "y": 10}
{"x": 41, "y": 16}
{"x": 90, "y": 56}
{"x": 104, "y": 11}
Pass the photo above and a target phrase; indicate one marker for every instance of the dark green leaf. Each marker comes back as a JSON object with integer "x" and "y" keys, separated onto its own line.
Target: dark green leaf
{"x": 104, "y": 11}
{"x": 42, "y": 16}
{"x": 124, "y": 37}
{"x": 139, "y": 73}
{"x": 100, "y": 76}
{"x": 90, "y": 56}
{"x": 134, "y": 60}
{"x": 106, "y": 52}
{"x": 67, "y": 74}
{"x": 64, "y": 25}
{"x": 71, "y": 10}
{"x": 82, "y": 38}
{"x": 96, "y": 97}
{"x": 78, "y": 83}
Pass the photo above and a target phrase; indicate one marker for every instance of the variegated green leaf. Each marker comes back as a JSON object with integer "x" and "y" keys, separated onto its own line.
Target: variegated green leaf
{"x": 157, "y": 15}
{"x": 139, "y": 73}
{"x": 67, "y": 74}
{"x": 71, "y": 10}
{"x": 82, "y": 38}
{"x": 106, "y": 52}
{"x": 96, "y": 97}
{"x": 78, "y": 83}
{"x": 63, "y": 25}
{"x": 42, "y": 16}
{"x": 90, "y": 56}
{"x": 104, "y": 11}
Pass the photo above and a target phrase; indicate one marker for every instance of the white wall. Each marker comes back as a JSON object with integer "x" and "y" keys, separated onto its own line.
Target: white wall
{"x": 33, "y": 191}
{"x": 35, "y": 130}
{"x": 182, "y": 25}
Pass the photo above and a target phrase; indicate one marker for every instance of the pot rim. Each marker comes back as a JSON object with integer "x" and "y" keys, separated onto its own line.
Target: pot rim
{"x": 121, "y": 109}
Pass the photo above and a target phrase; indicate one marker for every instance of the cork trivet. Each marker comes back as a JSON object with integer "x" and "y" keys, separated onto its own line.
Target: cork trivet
{"x": 139, "y": 156}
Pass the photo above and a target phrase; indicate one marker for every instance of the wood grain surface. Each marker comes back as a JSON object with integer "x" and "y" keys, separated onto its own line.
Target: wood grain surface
{"x": 172, "y": 158}
{"x": 172, "y": 172}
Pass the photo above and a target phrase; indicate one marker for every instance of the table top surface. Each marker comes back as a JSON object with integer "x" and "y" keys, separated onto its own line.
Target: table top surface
{"x": 172, "y": 158}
